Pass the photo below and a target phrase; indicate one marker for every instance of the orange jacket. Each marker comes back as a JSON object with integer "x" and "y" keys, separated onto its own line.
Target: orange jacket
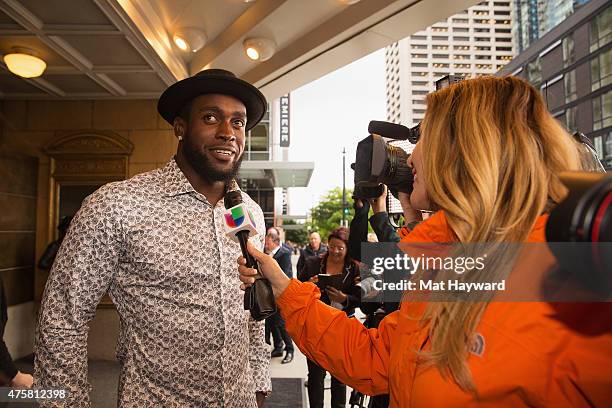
{"x": 527, "y": 356}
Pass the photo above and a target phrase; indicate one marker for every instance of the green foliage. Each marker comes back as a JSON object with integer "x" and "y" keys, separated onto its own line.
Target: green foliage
{"x": 327, "y": 214}
{"x": 297, "y": 236}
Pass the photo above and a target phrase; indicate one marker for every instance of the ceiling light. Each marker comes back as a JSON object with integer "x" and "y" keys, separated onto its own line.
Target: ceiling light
{"x": 349, "y": 2}
{"x": 259, "y": 49}
{"x": 21, "y": 62}
{"x": 189, "y": 39}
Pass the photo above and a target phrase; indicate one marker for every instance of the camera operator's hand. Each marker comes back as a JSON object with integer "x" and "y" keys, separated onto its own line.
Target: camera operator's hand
{"x": 268, "y": 267}
{"x": 314, "y": 279}
{"x": 410, "y": 214}
{"x": 379, "y": 204}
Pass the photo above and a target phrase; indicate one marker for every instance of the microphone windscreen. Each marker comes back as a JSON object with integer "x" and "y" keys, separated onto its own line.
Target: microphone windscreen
{"x": 389, "y": 130}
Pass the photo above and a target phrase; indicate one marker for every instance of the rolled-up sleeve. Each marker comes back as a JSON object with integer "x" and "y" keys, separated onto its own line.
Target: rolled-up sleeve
{"x": 82, "y": 273}
{"x": 357, "y": 356}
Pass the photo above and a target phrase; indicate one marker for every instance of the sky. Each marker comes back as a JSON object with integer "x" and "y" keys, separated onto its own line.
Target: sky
{"x": 330, "y": 114}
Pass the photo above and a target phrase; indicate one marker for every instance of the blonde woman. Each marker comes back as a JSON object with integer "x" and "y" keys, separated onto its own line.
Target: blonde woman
{"x": 488, "y": 164}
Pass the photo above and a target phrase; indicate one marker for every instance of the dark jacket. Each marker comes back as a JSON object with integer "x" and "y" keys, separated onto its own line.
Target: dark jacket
{"x": 308, "y": 253}
{"x": 383, "y": 229}
{"x": 283, "y": 258}
{"x": 385, "y": 233}
{"x": 7, "y": 368}
{"x": 317, "y": 265}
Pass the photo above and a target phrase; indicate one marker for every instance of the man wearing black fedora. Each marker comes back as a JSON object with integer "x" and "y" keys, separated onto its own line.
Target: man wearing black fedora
{"x": 156, "y": 244}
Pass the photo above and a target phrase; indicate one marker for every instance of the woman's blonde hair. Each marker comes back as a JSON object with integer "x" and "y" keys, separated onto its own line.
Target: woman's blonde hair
{"x": 491, "y": 153}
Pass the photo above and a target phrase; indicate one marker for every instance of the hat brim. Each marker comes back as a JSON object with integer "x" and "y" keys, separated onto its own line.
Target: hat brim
{"x": 174, "y": 98}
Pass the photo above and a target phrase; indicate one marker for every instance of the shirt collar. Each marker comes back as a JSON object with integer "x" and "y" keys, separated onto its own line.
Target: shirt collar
{"x": 174, "y": 181}
{"x": 274, "y": 251}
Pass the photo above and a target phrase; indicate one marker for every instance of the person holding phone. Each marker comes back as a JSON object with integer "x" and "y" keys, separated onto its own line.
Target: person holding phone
{"x": 335, "y": 261}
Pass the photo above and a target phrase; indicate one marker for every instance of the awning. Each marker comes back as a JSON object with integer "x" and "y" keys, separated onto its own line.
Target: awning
{"x": 277, "y": 173}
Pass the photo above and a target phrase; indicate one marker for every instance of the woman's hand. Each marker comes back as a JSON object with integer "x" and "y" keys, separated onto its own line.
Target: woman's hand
{"x": 268, "y": 267}
{"x": 22, "y": 380}
{"x": 314, "y": 279}
{"x": 410, "y": 214}
{"x": 379, "y": 204}
{"x": 336, "y": 295}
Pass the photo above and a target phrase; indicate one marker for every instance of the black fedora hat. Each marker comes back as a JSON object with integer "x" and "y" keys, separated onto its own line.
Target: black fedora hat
{"x": 212, "y": 81}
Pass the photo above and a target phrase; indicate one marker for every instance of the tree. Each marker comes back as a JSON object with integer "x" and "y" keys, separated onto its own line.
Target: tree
{"x": 327, "y": 214}
{"x": 297, "y": 236}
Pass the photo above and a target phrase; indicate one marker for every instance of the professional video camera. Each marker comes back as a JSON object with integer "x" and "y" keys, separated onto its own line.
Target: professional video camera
{"x": 584, "y": 218}
{"x": 379, "y": 162}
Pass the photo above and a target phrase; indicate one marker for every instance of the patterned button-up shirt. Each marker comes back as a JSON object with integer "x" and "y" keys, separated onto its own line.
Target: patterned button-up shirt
{"x": 158, "y": 248}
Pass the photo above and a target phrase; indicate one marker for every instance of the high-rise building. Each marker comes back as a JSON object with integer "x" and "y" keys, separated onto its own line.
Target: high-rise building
{"x": 534, "y": 18}
{"x": 572, "y": 66}
{"x": 475, "y": 42}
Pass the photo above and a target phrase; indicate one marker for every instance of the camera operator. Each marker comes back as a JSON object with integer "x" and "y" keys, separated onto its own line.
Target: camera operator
{"x": 488, "y": 162}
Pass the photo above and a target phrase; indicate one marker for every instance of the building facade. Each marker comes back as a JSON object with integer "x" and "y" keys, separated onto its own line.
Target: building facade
{"x": 266, "y": 173}
{"x": 475, "y": 42}
{"x": 534, "y": 18}
{"x": 572, "y": 66}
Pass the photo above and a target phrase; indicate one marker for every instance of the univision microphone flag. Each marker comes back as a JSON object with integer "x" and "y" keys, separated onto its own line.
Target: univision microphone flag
{"x": 239, "y": 218}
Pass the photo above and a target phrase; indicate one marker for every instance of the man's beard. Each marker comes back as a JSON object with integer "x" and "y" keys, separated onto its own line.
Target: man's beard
{"x": 203, "y": 166}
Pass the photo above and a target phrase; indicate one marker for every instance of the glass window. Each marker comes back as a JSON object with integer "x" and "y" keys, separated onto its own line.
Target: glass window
{"x": 601, "y": 70}
{"x": 601, "y": 29}
{"x": 608, "y": 149}
{"x": 569, "y": 56}
{"x": 570, "y": 86}
{"x": 598, "y": 146}
{"x": 534, "y": 71}
{"x": 570, "y": 119}
{"x": 602, "y": 111}
{"x": 258, "y": 139}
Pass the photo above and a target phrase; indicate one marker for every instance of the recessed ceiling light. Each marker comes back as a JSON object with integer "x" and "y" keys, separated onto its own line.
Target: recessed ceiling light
{"x": 348, "y": 2}
{"x": 252, "y": 53}
{"x": 189, "y": 39}
{"x": 21, "y": 62}
{"x": 259, "y": 49}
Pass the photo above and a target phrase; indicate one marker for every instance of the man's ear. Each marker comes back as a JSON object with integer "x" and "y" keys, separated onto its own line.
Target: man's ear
{"x": 179, "y": 128}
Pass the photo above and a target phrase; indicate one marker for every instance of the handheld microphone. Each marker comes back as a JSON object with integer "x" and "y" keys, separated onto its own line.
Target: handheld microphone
{"x": 239, "y": 226}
